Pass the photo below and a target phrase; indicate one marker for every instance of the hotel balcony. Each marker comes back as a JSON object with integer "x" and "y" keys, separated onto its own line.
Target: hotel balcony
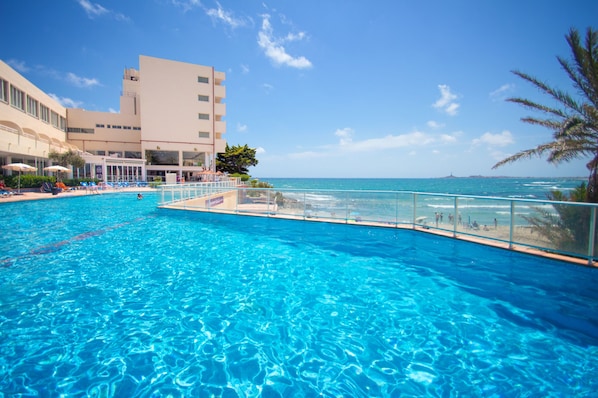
{"x": 219, "y": 91}
{"x": 220, "y": 109}
{"x": 220, "y": 127}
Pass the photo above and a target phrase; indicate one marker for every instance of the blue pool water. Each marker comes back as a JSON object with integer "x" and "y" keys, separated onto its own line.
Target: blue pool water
{"x": 110, "y": 296}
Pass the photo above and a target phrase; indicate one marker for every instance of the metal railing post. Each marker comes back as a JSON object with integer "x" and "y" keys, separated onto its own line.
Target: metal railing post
{"x": 347, "y": 208}
{"x": 304, "y": 205}
{"x": 511, "y": 226}
{"x": 455, "y": 217}
{"x": 592, "y": 234}
{"x": 414, "y": 210}
{"x": 397, "y": 210}
{"x": 268, "y": 202}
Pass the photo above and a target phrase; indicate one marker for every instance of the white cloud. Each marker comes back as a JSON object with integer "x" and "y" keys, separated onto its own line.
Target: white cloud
{"x": 503, "y": 139}
{"x": 345, "y": 136}
{"x": 69, "y": 77}
{"x": 388, "y": 142}
{"x": 186, "y": 5}
{"x": 244, "y": 69}
{"x": 219, "y": 14}
{"x": 446, "y": 102}
{"x": 81, "y": 81}
{"x": 434, "y": 125}
{"x": 94, "y": 10}
{"x": 259, "y": 150}
{"x": 19, "y": 66}
{"x": 501, "y": 92}
{"x": 274, "y": 49}
{"x": 346, "y": 144}
{"x": 447, "y": 138}
{"x": 241, "y": 128}
{"x": 112, "y": 110}
{"x": 66, "y": 102}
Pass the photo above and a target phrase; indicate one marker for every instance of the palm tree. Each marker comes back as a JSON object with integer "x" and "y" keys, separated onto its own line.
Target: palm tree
{"x": 575, "y": 124}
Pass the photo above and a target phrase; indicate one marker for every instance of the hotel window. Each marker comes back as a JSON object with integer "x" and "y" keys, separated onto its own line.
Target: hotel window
{"x": 54, "y": 118}
{"x": 80, "y": 130}
{"x": 44, "y": 113}
{"x": 114, "y": 126}
{"x": 99, "y": 125}
{"x": 204, "y": 134}
{"x": 62, "y": 123}
{"x": 16, "y": 98}
{"x": 201, "y": 79}
{"x": 132, "y": 155}
{"x": 162, "y": 158}
{"x": 204, "y": 98}
{"x": 204, "y": 116}
{"x": 3, "y": 90}
{"x": 32, "y": 106}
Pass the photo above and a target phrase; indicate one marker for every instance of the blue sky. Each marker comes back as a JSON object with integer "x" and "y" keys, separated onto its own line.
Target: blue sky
{"x": 334, "y": 88}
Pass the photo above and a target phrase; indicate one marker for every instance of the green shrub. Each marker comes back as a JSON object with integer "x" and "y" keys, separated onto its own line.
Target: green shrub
{"x": 259, "y": 184}
{"x": 569, "y": 228}
{"x": 243, "y": 177}
{"x": 29, "y": 180}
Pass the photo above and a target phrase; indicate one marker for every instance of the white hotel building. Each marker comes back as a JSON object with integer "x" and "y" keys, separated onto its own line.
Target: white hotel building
{"x": 170, "y": 121}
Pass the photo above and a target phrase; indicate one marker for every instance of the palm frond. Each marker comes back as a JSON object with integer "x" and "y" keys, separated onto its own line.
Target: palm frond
{"x": 573, "y": 123}
{"x": 558, "y": 95}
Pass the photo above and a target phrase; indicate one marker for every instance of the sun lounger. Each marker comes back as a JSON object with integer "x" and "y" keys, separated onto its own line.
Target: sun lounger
{"x": 46, "y": 187}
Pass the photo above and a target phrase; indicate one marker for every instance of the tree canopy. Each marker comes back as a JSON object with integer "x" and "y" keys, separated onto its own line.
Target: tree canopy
{"x": 574, "y": 123}
{"x": 67, "y": 158}
{"x": 236, "y": 159}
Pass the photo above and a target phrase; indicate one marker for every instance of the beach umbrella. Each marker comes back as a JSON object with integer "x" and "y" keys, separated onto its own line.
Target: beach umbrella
{"x": 57, "y": 168}
{"x": 20, "y": 167}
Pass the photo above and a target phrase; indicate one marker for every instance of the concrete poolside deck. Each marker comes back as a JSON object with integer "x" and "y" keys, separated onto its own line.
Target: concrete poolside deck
{"x": 37, "y": 195}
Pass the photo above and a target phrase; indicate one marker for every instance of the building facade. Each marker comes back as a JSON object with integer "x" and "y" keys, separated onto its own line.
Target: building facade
{"x": 170, "y": 122}
{"x": 32, "y": 124}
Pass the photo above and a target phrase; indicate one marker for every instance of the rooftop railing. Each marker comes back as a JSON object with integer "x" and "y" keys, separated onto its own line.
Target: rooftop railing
{"x": 567, "y": 228}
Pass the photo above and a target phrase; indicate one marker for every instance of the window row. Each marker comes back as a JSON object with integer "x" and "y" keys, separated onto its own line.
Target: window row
{"x": 114, "y": 154}
{"x": 22, "y": 101}
{"x": 80, "y": 130}
{"x": 116, "y": 126}
{"x": 175, "y": 158}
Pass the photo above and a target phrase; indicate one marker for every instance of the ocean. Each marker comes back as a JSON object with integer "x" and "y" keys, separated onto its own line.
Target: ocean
{"x": 370, "y": 198}
{"x": 520, "y": 187}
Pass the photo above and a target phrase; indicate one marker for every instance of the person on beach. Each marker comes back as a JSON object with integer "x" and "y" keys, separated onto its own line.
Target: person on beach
{"x": 3, "y": 186}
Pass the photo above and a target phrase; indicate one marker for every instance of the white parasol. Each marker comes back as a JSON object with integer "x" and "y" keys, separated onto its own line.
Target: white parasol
{"x": 20, "y": 167}
{"x": 57, "y": 168}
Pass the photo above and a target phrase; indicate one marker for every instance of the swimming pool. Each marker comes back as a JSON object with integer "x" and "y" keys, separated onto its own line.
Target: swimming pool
{"x": 110, "y": 296}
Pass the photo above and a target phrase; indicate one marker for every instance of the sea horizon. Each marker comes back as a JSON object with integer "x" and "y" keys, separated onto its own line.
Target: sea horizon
{"x": 509, "y": 187}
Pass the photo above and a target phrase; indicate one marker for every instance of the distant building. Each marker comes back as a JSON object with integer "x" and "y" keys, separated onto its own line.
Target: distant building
{"x": 170, "y": 121}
